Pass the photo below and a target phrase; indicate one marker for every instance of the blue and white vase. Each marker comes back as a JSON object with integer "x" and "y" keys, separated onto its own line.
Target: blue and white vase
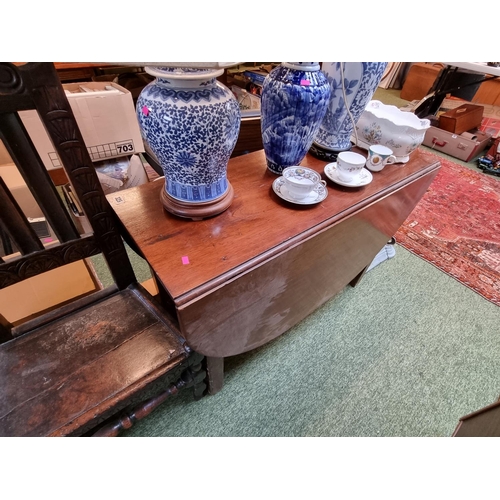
{"x": 190, "y": 121}
{"x": 361, "y": 79}
{"x": 294, "y": 101}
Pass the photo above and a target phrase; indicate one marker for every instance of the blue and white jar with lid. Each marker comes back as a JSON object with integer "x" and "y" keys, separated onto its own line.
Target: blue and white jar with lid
{"x": 294, "y": 101}
{"x": 190, "y": 122}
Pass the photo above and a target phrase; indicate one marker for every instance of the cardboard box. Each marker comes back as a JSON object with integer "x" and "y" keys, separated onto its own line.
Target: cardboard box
{"x": 464, "y": 146}
{"x": 15, "y": 182}
{"x": 41, "y": 293}
{"x": 4, "y": 154}
{"x": 105, "y": 114}
{"x": 465, "y": 117}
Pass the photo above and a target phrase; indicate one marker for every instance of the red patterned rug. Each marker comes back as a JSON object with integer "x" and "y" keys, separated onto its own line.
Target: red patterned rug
{"x": 456, "y": 227}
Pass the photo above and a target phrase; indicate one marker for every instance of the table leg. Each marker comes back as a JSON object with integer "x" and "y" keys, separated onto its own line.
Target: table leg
{"x": 357, "y": 279}
{"x": 214, "y": 366}
{"x": 215, "y": 374}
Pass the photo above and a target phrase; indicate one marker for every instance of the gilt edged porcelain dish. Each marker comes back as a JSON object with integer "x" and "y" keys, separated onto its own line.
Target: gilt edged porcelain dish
{"x": 318, "y": 194}
{"x": 362, "y": 179}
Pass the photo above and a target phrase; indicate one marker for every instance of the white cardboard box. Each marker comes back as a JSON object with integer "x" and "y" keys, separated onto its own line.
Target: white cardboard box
{"x": 106, "y": 117}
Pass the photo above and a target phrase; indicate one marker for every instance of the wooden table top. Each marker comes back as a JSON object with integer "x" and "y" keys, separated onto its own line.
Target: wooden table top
{"x": 192, "y": 258}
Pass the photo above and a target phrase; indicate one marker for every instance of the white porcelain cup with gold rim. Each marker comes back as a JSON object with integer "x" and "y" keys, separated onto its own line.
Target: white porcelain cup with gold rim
{"x": 301, "y": 181}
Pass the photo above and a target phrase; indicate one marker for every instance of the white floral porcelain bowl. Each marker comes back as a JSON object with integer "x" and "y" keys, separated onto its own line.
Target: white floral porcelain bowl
{"x": 402, "y": 131}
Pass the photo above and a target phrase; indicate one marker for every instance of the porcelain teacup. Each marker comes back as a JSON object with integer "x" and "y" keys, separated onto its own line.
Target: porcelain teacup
{"x": 349, "y": 165}
{"x": 301, "y": 181}
{"x": 378, "y": 157}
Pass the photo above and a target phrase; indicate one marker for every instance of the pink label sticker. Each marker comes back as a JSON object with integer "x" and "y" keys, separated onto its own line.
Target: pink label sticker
{"x": 145, "y": 111}
{"x": 305, "y": 82}
{"x": 185, "y": 260}
{"x": 48, "y": 240}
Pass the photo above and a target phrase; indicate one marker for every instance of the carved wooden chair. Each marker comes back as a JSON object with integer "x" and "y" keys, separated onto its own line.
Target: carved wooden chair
{"x": 96, "y": 365}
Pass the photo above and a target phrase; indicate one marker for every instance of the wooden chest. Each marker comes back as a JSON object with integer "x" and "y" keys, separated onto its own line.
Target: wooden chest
{"x": 466, "y": 117}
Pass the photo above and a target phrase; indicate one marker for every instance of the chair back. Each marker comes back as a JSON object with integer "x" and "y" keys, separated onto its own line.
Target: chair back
{"x": 37, "y": 86}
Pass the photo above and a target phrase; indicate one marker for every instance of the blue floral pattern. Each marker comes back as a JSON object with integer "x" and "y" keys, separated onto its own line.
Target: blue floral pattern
{"x": 361, "y": 79}
{"x": 192, "y": 132}
{"x": 293, "y": 104}
{"x": 183, "y": 71}
{"x": 213, "y": 92}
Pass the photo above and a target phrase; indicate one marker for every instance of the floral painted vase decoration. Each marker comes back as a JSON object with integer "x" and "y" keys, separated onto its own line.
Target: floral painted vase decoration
{"x": 353, "y": 85}
{"x": 294, "y": 101}
{"x": 190, "y": 122}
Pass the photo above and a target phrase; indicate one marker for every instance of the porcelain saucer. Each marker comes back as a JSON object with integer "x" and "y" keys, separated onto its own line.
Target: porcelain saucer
{"x": 318, "y": 194}
{"x": 364, "y": 177}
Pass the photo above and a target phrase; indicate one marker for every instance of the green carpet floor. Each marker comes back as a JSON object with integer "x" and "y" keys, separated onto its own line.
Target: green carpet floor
{"x": 405, "y": 353}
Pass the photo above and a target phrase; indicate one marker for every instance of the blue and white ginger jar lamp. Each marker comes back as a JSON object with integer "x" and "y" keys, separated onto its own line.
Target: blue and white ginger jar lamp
{"x": 294, "y": 101}
{"x": 360, "y": 80}
{"x": 190, "y": 121}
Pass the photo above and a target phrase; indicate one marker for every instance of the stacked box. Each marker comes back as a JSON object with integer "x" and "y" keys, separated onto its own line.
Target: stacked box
{"x": 466, "y": 117}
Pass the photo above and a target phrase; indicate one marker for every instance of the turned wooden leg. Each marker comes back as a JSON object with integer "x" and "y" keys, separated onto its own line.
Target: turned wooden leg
{"x": 215, "y": 374}
{"x": 192, "y": 377}
{"x": 199, "y": 381}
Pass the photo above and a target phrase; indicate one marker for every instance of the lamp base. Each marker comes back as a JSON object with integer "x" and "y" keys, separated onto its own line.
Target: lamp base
{"x": 197, "y": 211}
{"x": 325, "y": 154}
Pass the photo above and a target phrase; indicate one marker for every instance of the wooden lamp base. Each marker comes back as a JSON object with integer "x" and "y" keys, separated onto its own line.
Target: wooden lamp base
{"x": 197, "y": 211}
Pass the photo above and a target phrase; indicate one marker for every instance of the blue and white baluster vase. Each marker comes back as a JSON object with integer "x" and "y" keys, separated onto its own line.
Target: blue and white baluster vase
{"x": 190, "y": 122}
{"x": 294, "y": 100}
{"x": 361, "y": 80}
